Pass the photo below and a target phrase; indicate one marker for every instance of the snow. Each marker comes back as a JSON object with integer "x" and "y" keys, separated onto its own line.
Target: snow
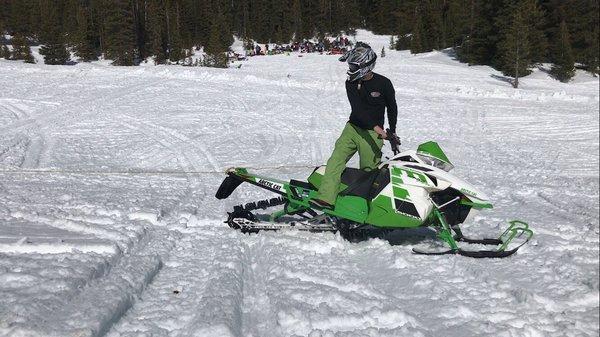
{"x": 109, "y": 225}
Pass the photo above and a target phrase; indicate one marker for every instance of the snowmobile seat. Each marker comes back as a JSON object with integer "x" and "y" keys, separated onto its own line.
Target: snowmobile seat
{"x": 364, "y": 184}
{"x": 352, "y": 175}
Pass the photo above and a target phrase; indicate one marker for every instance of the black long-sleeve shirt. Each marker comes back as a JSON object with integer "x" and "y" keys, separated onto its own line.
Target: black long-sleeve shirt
{"x": 369, "y": 102}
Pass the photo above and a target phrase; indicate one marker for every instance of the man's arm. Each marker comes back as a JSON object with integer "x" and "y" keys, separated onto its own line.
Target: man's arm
{"x": 392, "y": 108}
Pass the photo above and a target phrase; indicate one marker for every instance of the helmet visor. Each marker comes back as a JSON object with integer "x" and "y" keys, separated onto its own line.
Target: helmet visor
{"x": 353, "y": 67}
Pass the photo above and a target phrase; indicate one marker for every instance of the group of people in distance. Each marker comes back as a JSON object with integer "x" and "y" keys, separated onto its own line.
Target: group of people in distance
{"x": 338, "y": 45}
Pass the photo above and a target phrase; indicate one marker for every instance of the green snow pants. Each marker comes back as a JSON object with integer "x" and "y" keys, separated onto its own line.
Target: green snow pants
{"x": 353, "y": 139}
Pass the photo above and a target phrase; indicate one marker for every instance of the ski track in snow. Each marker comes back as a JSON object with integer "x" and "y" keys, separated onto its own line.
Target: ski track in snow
{"x": 109, "y": 226}
{"x": 34, "y": 141}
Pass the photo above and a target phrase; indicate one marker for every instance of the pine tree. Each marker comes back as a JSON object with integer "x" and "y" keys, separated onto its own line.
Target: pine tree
{"x": 481, "y": 41}
{"x": 119, "y": 42}
{"x": 3, "y": 15}
{"x": 203, "y": 18}
{"x": 592, "y": 39}
{"x": 4, "y": 52}
{"x": 514, "y": 48}
{"x": 225, "y": 34}
{"x": 459, "y": 21}
{"x": 583, "y": 21}
{"x": 21, "y": 49}
{"x": 308, "y": 14}
{"x": 382, "y": 52}
{"x": 156, "y": 27}
{"x": 563, "y": 68}
{"x": 54, "y": 49}
{"x": 591, "y": 52}
{"x": 216, "y": 48}
{"x": 86, "y": 37}
{"x": 20, "y": 17}
{"x": 433, "y": 34}
{"x": 174, "y": 40}
{"x": 281, "y": 21}
{"x": 18, "y": 23}
{"x": 3, "y": 48}
{"x": 67, "y": 18}
{"x": 416, "y": 43}
{"x": 351, "y": 9}
{"x": 404, "y": 16}
{"x": 138, "y": 9}
{"x": 534, "y": 20}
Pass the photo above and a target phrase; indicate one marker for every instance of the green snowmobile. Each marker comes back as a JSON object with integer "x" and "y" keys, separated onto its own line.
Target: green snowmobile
{"x": 411, "y": 189}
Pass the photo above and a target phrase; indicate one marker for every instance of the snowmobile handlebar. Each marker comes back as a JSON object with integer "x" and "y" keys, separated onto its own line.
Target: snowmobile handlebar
{"x": 394, "y": 141}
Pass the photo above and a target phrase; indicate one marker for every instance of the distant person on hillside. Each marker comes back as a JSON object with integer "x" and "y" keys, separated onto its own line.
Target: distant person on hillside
{"x": 320, "y": 47}
{"x": 369, "y": 95}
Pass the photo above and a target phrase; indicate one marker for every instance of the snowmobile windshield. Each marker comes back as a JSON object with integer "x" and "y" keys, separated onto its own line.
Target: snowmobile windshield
{"x": 435, "y": 162}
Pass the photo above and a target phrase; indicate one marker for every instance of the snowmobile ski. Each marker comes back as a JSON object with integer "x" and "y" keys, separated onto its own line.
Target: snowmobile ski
{"x": 517, "y": 229}
{"x": 468, "y": 253}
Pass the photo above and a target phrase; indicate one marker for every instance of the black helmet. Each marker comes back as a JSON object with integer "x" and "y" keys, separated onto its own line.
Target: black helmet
{"x": 361, "y": 60}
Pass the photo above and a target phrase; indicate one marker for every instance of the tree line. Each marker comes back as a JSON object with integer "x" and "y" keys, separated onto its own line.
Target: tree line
{"x": 510, "y": 35}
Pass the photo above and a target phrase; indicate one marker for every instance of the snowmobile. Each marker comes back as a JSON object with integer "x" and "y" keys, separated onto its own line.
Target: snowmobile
{"x": 410, "y": 189}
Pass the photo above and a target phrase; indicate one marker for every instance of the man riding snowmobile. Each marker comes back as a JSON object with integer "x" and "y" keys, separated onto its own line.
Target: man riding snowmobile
{"x": 369, "y": 94}
{"x": 411, "y": 189}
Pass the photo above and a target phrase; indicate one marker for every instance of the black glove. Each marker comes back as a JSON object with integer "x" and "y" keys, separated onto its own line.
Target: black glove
{"x": 394, "y": 141}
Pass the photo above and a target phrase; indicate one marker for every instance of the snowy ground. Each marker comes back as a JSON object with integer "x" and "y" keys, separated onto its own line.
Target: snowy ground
{"x": 109, "y": 226}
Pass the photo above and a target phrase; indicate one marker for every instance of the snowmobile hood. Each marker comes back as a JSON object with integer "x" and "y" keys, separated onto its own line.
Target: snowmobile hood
{"x": 411, "y": 158}
{"x": 460, "y": 185}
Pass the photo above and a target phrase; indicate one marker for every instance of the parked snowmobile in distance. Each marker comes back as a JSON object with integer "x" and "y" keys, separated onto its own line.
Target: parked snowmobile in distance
{"x": 412, "y": 189}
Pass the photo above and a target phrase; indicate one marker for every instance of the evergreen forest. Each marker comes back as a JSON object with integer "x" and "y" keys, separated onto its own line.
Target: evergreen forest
{"x": 509, "y": 35}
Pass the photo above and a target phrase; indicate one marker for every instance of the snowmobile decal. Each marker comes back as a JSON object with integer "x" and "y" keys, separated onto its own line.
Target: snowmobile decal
{"x": 400, "y": 172}
{"x": 466, "y": 191}
{"x": 270, "y": 184}
{"x": 406, "y": 208}
{"x": 400, "y": 193}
